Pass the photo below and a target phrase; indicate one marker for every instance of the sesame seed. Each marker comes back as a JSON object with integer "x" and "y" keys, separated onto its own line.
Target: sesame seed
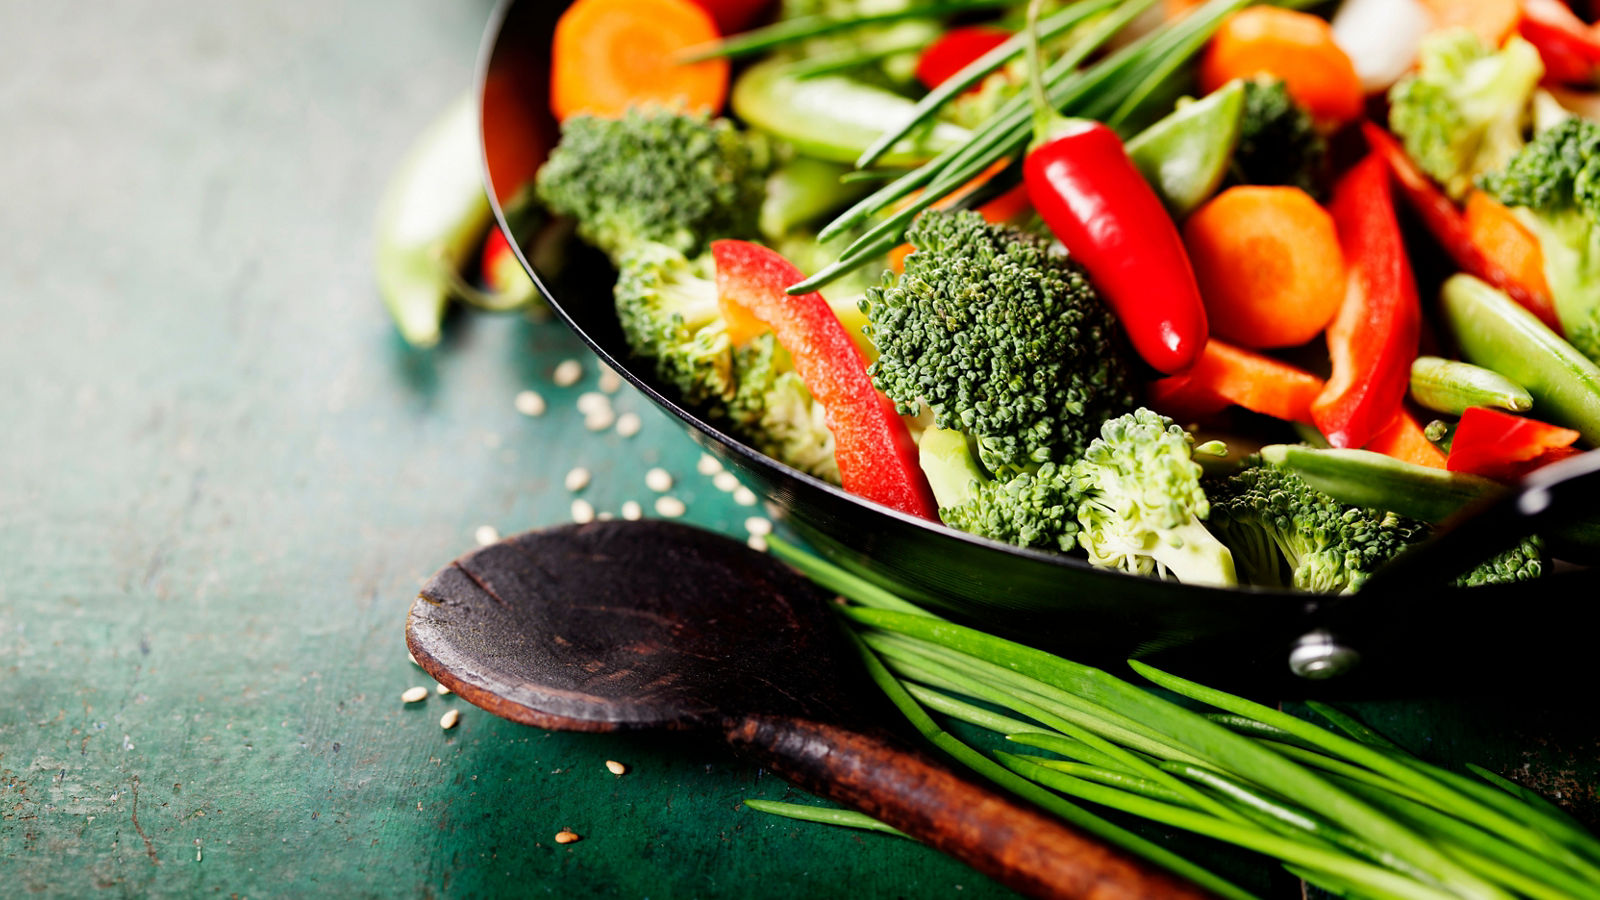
{"x": 449, "y": 719}
{"x": 744, "y": 497}
{"x": 758, "y": 525}
{"x": 725, "y": 481}
{"x": 632, "y": 511}
{"x": 599, "y": 420}
{"x": 582, "y": 512}
{"x": 670, "y": 507}
{"x": 658, "y": 480}
{"x": 414, "y": 695}
{"x": 566, "y": 836}
{"x": 590, "y": 403}
{"x": 567, "y": 373}
{"x": 628, "y": 424}
{"x": 577, "y": 479}
{"x": 606, "y": 516}
{"x": 485, "y": 535}
{"x": 756, "y": 542}
{"x": 413, "y": 658}
{"x": 440, "y": 689}
{"x": 708, "y": 465}
{"x": 610, "y": 381}
{"x": 615, "y": 767}
{"x": 529, "y": 403}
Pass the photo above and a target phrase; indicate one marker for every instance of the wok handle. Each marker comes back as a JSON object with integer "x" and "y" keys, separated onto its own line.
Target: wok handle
{"x": 1014, "y": 844}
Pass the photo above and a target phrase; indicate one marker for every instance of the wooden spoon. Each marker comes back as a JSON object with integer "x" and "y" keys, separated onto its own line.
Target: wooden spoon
{"x": 622, "y": 625}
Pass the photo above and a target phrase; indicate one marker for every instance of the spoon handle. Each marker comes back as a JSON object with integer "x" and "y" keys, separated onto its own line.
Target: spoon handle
{"x": 1014, "y": 844}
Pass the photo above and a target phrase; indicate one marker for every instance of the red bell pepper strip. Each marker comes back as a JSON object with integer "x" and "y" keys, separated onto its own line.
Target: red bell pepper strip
{"x": 1373, "y": 338}
{"x": 1568, "y": 46}
{"x": 954, "y": 50}
{"x": 876, "y": 456}
{"x": 1236, "y": 376}
{"x": 1499, "y": 445}
{"x": 1089, "y": 192}
{"x": 1448, "y": 226}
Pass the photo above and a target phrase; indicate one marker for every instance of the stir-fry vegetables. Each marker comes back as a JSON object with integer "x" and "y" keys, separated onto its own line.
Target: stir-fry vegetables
{"x": 1239, "y": 265}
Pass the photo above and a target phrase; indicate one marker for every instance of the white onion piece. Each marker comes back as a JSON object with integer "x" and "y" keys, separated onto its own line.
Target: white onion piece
{"x": 1381, "y": 38}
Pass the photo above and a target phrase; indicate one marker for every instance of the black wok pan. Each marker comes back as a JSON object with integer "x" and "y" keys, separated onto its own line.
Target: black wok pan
{"x": 1406, "y": 626}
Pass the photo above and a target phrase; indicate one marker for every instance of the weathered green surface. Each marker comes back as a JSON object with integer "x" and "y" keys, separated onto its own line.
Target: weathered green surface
{"x": 222, "y": 480}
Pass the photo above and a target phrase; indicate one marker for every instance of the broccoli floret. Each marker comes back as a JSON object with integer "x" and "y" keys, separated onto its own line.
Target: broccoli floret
{"x": 1143, "y": 506}
{"x": 1523, "y": 562}
{"x": 1004, "y": 339}
{"x": 1463, "y": 113}
{"x": 1554, "y": 183}
{"x": 656, "y": 175}
{"x": 1035, "y": 507}
{"x": 1278, "y": 144}
{"x": 667, "y": 306}
{"x": 1285, "y": 533}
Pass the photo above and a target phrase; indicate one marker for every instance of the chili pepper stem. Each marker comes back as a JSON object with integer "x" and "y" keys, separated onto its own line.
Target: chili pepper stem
{"x": 1047, "y": 123}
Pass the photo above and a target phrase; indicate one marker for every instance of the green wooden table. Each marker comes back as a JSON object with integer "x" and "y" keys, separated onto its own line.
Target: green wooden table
{"x": 223, "y": 479}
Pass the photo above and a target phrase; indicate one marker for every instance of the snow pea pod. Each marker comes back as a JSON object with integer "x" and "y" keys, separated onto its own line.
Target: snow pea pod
{"x": 834, "y": 117}
{"x": 1451, "y": 386}
{"x": 1185, "y": 156}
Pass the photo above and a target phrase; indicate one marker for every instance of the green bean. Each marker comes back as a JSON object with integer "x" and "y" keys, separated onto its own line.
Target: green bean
{"x": 1450, "y": 386}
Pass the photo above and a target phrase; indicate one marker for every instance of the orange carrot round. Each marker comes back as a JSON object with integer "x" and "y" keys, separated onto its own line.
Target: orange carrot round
{"x": 1294, "y": 46}
{"x": 1269, "y": 265}
{"x": 609, "y": 55}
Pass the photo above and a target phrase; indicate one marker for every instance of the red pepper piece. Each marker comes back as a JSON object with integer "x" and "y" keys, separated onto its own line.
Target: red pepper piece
{"x": 954, "y": 50}
{"x": 1089, "y": 192}
{"x": 1373, "y": 338}
{"x": 1500, "y": 445}
{"x": 1568, "y": 46}
{"x": 877, "y": 458}
{"x": 733, "y": 15}
{"x": 1448, "y": 226}
{"x": 502, "y": 272}
{"x": 1183, "y": 399}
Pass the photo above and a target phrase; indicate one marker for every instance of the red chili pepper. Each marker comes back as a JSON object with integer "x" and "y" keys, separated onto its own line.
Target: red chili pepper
{"x": 1445, "y": 221}
{"x": 1500, "y": 445}
{"x": 1088, "y": 191}
{"x": 1373, "y": 338}
{"x": 954, "y": 50}
{"x": 1568, "y": 46}
{"x": 876, "y": 456}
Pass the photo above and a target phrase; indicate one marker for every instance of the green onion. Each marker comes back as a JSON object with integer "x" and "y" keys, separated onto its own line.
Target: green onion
{"x": 825, "y": 815}
{"x": 800, "y": 28}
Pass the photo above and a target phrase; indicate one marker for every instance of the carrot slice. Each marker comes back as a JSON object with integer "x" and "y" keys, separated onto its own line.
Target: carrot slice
{"x": 1269, "y": 265}
{"x": 1257, "y": 383}
{"x": 1491, "y": 20}
{"x": 1404, "y": 440}
{"x": 609, "y": 55}
{"x": 1506, "y": 242}
{"x": 1294, "y": 46}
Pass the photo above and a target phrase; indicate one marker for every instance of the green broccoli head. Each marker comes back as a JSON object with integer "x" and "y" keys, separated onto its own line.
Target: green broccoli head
{"x": 1285, "y": 533}
{"x": 1523, "y": 562}
{"x": 1554, "y": 184}
{"x": 1278, "y": 143}
{"x": 1035, "y": 507}
{"x": 656, "y": 175}
{"x": 1463, "y": 112}
{"x": 1142, "y": 504}
{"x": 1003, "y": 338}
{"x": 772, "y": 408}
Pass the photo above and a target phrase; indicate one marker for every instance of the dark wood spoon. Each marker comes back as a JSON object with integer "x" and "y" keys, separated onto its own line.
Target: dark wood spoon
{"x": 616, "y": 626}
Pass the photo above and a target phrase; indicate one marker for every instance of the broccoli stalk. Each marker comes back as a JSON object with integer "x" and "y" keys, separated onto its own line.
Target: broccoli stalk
{"x": 1463, "y": 113}
{"x": 656, "y": 175}
{"x": 1554, "y": 186}
{"x": 1031, "y": 508}
{"x": 1142, "y": 504}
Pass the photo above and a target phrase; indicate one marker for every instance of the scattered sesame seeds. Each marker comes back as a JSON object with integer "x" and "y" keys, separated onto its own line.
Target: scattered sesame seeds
{"x": 414, "y": 695}
{"x": 582, "y": 512}
{"x": 757, "y": 542}
{"x": 485, "y": 535}
{"x": 632, "y": 511}
{"x": 658, "y": 480}
{"x": 529, "y": 403}
{"x": 758, "y": 525}
{"x": 440, "y": 689}
{"x": 670, "y": 507}
{"x": 606, "y": 516}
{"x": 725, "y": 481}
{"x": 590, "y": 403}
{"x": 566, "y": 836}
{"x": 615, "y": 767}
{"x": 567, "y": 373}
{"x": 577, "y": 479}
{"x": 599, "y": 420}
{"x": 708, "y": 465}
{"x": 744, "y": 497}
{"x": 610, "y": 381}
{"x": 628, "y": 424}
{"x": 449, "y": 719}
